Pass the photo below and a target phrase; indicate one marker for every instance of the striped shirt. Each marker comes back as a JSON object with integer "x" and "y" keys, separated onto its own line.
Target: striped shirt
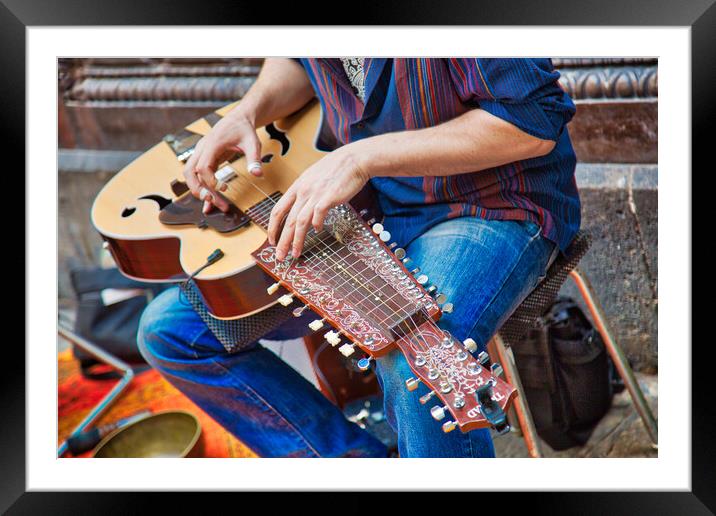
{"x": 404, "y": 94}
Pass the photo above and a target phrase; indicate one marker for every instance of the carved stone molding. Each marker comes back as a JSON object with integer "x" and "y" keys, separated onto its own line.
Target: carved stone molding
{"x": 160, "y": 89}
{"x": 591, "y": 62}
{"x": 216, "y": 80}
{"x": 621, "y": 82}
{"x": 213, "y": 80}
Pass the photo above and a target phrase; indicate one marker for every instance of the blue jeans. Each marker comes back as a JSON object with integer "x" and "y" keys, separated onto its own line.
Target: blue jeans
{"x": 484, "y": 267}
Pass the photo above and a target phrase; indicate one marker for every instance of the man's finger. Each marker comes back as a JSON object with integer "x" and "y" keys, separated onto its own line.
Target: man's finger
{"x": 251, "y": 147}
{"x": 278, "y": 213}
{"x": 205, "y": 170}
{"x": 212, "y": 198}
{"x": 190, "y": 175}
{"x": 319, "y": 214}
{"x": 287, "y": 231}
{"x": 303, "y": 225}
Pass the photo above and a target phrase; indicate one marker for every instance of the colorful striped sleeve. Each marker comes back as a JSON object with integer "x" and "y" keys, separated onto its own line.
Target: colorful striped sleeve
{"x": 524, "y": 92}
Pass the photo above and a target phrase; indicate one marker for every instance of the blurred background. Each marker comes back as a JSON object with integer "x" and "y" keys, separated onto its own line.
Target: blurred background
{"x": 111, "y": 110}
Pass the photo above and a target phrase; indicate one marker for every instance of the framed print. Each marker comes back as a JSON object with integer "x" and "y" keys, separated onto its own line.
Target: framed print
{"x": 454, "y": 247}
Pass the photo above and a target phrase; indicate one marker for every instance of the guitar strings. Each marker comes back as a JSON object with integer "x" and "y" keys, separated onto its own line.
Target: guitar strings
{"x": 334, "y": 253}
{"x": 270, "y": 199}
{"x": 429, "y": 357}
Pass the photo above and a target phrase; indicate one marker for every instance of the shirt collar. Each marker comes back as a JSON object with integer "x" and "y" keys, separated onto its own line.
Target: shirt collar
{"x": 372, "y": 70}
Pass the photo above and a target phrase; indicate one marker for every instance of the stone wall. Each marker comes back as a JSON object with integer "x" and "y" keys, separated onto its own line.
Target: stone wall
{"x": 112, "y": 109}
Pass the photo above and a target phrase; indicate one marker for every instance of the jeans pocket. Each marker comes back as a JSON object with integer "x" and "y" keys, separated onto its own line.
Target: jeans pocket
{"x": 532, "y": 228}
{"x": 550, "y": 258}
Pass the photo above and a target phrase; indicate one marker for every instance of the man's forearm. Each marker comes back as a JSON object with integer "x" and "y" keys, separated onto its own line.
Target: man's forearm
{"x": 281, "y": 88}
{"x": 476, "y": 140}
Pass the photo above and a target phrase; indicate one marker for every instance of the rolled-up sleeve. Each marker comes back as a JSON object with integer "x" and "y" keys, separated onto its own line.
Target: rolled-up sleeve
{"x": 523, "y": 92}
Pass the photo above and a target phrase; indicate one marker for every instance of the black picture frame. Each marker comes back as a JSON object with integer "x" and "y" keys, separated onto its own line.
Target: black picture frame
{"x": 17, "y": 15}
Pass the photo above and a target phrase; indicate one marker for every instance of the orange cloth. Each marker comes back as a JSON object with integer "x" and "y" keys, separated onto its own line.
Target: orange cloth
{"x": 148, "y": 390}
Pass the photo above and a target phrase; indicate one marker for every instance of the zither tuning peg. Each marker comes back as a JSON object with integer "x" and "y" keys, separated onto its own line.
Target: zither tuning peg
{"x": 437, "y": 412}
{"x": 449, "y": 426}
{"x": 448, "y": 308}
{"x": 272, "y": 289}
{"x": 412, "y": 383}
{"x": 483, "y": 358}
{"x": 470, "y": 345}
{"x": 364, "y": 213}
{"x": 384, "y": 235}
{"x": 298, "y": 312}
{"x": 426, "y": 397}
{"x": 399, "y": 253}
{"x": 496, "y": 370}
{"x": 364, "y": 363}
{"x": 347, "y": 349}
{"x": 377, "y": 228}
{"x": 332, "y": 337}
{"x": 285, "y": 299}
{"x": 316, "y": 325}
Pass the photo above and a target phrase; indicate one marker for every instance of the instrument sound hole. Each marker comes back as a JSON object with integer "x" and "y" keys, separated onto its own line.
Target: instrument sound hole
{"x": 126, "y": 212}
{"x": 162, "y": 202}
{"x": 280, "y": 137}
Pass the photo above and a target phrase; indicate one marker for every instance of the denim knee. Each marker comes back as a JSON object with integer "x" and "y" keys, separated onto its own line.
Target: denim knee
{"x": 168, "y": 329}
{"x": 394, "y": 370}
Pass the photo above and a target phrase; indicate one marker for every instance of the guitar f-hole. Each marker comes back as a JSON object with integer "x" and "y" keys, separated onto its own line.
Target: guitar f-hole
{"x": 279, "y": 136}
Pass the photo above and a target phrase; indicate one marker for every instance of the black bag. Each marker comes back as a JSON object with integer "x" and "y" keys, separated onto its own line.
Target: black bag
{"x": 568, "y": 378}
{"x": 111, "y": 327}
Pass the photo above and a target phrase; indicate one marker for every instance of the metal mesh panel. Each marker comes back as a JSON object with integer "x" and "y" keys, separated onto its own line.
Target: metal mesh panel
{"x": 237, "y": 334}
{"x": 541, "y": 298}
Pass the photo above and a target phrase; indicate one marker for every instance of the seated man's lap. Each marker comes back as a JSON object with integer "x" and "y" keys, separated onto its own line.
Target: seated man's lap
{"x": 485, "y": 268}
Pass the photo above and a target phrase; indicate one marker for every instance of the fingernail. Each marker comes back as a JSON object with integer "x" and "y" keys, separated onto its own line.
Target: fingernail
{"x": 206, "y": 208}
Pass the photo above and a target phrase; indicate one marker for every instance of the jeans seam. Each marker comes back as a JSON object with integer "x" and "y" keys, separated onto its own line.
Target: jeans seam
{"x": 502, "y": 286}
{"x": 247, "y": 388}
{"x": 193, "y": 341}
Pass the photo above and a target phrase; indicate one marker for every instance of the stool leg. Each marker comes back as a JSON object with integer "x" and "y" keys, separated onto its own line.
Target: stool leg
{"x": 524, "y": 416}
{"x": 112, "y": 395}
{"x": 617, "y": 354}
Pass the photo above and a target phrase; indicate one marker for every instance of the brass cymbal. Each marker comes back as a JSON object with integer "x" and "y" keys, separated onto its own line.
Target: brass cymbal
{"x": 170, "y": 434}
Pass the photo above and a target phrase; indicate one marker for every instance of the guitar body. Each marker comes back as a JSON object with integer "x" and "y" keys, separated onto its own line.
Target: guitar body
{"x": 126, "y": 213}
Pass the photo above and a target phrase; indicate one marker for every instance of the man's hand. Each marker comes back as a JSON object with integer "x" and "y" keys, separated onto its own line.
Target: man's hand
{"x": 234, "y": 133}
{"x": 281, "y": 88}
{"x": 333, "y": 180}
